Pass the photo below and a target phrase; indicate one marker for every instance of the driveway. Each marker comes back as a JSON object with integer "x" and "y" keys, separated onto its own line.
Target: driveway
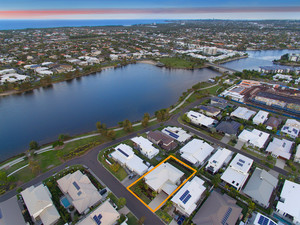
{"x": 157, "y": 200}
{"x": 280, "y": 163}
{"x": 126, "y": 182}
{"x": 239, "y": 144}
{"x": 225, "y": 139}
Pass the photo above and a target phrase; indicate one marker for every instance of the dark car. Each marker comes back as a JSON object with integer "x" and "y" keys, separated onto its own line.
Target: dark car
{"x": 103, "y": 191}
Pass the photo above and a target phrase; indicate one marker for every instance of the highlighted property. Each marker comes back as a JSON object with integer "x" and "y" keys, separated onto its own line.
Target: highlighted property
{"x": 156, "y": 186}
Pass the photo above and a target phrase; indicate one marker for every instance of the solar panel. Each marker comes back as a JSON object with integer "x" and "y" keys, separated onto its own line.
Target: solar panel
{"x": 226, "y": 216}
{"x": 186, "y": 199}
{"x": 99, "y": 216}
{"x": 240, "y": 164}
{"x": 76, "y": 185}
{"x": 172, "y": 134}
{"x": 266, "y": 221}
{"x": 97, "y": 220}
{"x": 124, "y": 153}
{"x": 184, "y": 195}
{"x": 79, "y": 193}
{"x": 261, "y": 219}
{"x": 194, "y": 116}
{"x": 242, "y": 161}
{"x": 272, "y": 223}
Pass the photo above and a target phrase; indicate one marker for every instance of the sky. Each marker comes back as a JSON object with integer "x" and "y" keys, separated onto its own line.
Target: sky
{"x": 149, "y": 9}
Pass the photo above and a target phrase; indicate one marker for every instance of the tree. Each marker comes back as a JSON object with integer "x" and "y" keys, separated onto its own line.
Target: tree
{"x": 216, "y": 180}
{"x": 33, "y": 145}
{"x": 185, "y": 118}
{"x": 63, "y": 137}
{"x": 121, "y": 202}
{"x": 98, "y": 126}
{"x": 115, "y": 167}
{"x": 35, "y": 167}
{"x": 111, "y": 134}
{"x": 145, "y": 120}
{"x": 127, "y": 125}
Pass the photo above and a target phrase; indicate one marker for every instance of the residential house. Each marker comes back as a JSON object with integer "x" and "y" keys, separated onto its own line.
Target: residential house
{"x": 218, "y": 209}
{"x": 200, "y": 119}
{"x": 177, "y": 133}
{"x": 196, "y": 151}
{"x": 243, "y": 113}
{"x": 164, "y": 178}
{"x": 273, "y": 123}
{"x": 162, "y": 140}
{"x": 260, "y": 219}
{"x": 237, "y": 172}
{"x": 145, "y": 147}
{"x": 288, "y": 204}
{"x": 297, "y": 155}
{"x": 218, "y": 102}
{"x": 291, "y": 127}
{"x": 261, "y": 186}
{"x": 126, "y": 157}
{"x": 280, "y": 148}
{"x": 228, "y": 127}
{"x": 221, "y": 158}
{"x": 255, "y": 137}
{"x": 105, "y": 214}
{"x": 78, "y": 187}
{"x": 260, "y": 117}
{"x": 188, "y": 197}
{"x": 209, "y": 110}
{"x": 39, "y": 204}
{"x": 13, "y": 77}
{"x": 10, "y": 212}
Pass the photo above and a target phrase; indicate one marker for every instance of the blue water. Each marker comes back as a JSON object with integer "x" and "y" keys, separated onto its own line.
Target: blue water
{"x": 65, "y": 202}
{"x": 282, "y": 220}
{"x": 257, "y": 59}
{"x": 24, "y": 24}
{"x": 74, "y": 107}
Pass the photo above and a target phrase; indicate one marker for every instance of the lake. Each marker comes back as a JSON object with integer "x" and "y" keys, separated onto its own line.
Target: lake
{"x": 74, "y": 107}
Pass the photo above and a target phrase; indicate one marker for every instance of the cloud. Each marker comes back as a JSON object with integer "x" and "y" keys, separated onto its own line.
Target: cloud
{"x": 42, "y": 14}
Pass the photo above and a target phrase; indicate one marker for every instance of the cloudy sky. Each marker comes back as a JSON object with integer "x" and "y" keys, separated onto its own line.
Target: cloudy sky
{"x": 149, "y": 9}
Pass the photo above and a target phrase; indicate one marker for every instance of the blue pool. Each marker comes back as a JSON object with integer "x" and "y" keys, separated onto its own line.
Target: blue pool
{"x": 282, "y": 220}
{"x": 65, "y": 202}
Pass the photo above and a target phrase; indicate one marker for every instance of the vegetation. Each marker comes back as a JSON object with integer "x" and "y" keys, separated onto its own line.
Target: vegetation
{"x": 127, "y": 126}
{"x": 162, "y": 115}
{"x": 182, "y": 62}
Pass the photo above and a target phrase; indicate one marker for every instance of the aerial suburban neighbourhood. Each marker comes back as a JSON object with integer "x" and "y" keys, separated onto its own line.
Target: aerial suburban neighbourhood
{"x": 179, "y": 121}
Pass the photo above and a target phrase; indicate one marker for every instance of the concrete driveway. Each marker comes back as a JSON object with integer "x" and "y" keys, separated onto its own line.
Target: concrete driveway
{"x": 157, "y": 200}
{"x": 239, "y": 144}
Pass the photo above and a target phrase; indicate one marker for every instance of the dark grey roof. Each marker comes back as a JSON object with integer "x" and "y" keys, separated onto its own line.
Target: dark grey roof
{"x": 209, "y": 109}
{"x": 228, "y": 127}
{"x": 216, "y": 209}
{"x": 273, "y": 122}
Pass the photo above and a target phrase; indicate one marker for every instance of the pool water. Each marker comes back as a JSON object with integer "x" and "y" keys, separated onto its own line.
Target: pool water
{"x": 65, "y": 202}
{"x": 282, "y": 220}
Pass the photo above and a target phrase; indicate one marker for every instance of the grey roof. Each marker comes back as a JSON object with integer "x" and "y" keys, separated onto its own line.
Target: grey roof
{"x": 260, "y": 186}
{"x": 228, "y": 127}
{"x": 11, "y": 212}
{"x": 209, "y": 109}
{"x": 273, "y": 122}
{"x": 215, "y": 209}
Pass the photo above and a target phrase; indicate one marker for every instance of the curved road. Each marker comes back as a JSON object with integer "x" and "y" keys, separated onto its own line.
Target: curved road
{"x": 90, "y": 160}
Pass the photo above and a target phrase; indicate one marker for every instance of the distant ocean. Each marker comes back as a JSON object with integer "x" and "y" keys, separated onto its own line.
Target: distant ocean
{"x": 24, "y": 24}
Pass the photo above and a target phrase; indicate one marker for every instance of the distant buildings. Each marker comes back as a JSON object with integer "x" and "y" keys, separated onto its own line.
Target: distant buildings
{"x": 297, "y": 155}
{"x": 237, "y": 172}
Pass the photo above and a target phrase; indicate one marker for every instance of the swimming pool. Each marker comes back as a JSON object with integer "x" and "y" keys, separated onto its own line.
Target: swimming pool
{"x": 65, "y": 202}
{"x": 281, "y": 220}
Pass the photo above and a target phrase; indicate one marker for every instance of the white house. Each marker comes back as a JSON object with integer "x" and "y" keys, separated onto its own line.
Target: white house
{"x": 105, "y": 214}
{"x": 297, "y": 155}
{"x": 164, "y": 178}
{"x": 243, "y": 113}
{"x": 291, "y": 127}
{"x": 260, "y": 117}
{"x": 218, "y": 160}
{"x": 145, "y": 146}
{"x": 200, "y": 119}
{"x": 13, "y": 77}
{"x": 262, "y": 219}
{"x": 289, "y": 201}
{"x": 255, "y": 137}
{"x": 187, "y": 198}
{"x": 196, "y": 151}
{"x": 237, "y": 172}
{"x": 39, "y": 204}
{"x": 177, "y": 133}
{"x": 126, "y": 157}
{"x": 7, "y": 71}
{"x": 286, "y": 78}
{"x": 79, "y": 188}
{"x": 280, "y": 148}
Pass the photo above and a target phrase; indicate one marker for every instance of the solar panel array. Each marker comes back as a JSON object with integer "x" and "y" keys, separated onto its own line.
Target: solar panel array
{"x": 186, "y": 199}
{"x": 242, "y": 161}
{"x": 76, "y": 185}
{"x": 124, "y": 153}
{"x": 226, "y": 216}
{"x": 194, "y": 116}
{"x": 265, "y": 221}
{"x": 184, "y": 195}
{"x": 172, "y": 134}
{"x": 240, "y": 164}
{"x": 97, "y": 219}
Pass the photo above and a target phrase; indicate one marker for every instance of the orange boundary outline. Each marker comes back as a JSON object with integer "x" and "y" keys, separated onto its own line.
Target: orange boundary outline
{"x": 154, "y": 210}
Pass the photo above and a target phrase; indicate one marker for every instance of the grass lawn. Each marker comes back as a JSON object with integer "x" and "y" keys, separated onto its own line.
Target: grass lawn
{"x": 131, "y": 219}
{"x": 164, "y": 216}
{"x": 24, "y": 175}
{"x": 120, "y": 174}
{"x": 175, "y": 62}
{"x": 213, "y": 90}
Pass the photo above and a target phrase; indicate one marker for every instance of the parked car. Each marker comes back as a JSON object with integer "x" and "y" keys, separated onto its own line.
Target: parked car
{"x": 132, "y": 175}
{"x": 103, "y": 191}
